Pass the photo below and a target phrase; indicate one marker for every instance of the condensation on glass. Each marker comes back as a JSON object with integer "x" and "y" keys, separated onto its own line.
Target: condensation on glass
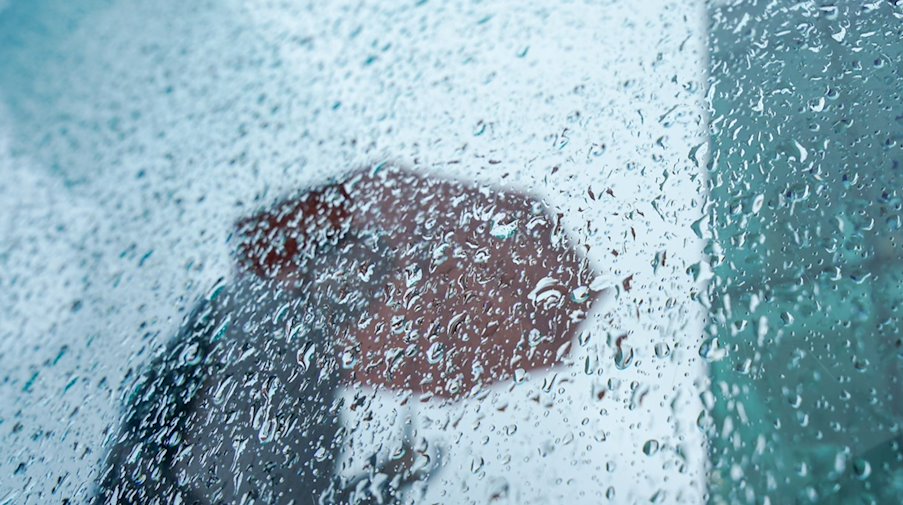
{"x": 450, "y": 252}
{"x": 805, "y": 175}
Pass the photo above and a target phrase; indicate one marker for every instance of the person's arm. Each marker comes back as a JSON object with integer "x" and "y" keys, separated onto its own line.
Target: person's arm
{"x": 138, "y": 465}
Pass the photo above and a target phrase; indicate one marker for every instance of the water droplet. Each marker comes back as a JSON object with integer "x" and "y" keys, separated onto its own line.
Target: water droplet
{"x": 480, "y": 128}
{"x": 548, "y": 292}
{"x": 662, "y": 350}
{"x": 190, "y": 356}
{"x": 839, "y": 36}
{"x": 711, "y": 350}
{"x": 580, "y": 294}
{"x": 502, "y": 230}
{"x": 862, "y": 469}
{"x": 435, "y": 353}
{"x": 650, "y": 447}
{"x": 267, "y": 430}
{"x": 413, "y": 275}
{"x": 623, "y": 357}
{"x": 306, "y": 355}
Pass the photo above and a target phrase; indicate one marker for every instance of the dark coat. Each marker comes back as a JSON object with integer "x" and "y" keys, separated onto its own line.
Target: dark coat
{"x": 241, "y": 407}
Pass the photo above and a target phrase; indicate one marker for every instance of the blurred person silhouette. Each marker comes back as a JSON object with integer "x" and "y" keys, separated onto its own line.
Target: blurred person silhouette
{"x": 418, "y": 283}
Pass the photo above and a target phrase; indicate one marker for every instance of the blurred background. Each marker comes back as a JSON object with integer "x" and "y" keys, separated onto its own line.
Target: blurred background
{"x": 731, "y": 171}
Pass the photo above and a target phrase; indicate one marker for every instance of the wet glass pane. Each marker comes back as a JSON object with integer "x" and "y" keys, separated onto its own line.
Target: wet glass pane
{"x": 450, "y": 252}
{"x": 805, "y": 176}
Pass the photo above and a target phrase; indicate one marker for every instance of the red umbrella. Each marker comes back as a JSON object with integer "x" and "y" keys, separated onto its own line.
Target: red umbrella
{"x": 479, "y": 283}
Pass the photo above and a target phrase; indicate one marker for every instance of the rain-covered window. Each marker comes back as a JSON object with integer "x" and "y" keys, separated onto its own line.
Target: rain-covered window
{"x": 463, "y": 252}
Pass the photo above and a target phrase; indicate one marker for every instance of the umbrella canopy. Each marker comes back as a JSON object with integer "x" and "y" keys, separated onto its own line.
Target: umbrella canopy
{"x": 463, "y": 286}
